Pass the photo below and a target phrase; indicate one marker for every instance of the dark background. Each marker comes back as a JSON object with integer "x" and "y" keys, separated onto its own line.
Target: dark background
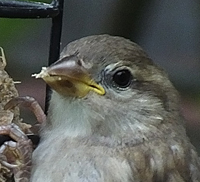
{"x": 168, "y": 30}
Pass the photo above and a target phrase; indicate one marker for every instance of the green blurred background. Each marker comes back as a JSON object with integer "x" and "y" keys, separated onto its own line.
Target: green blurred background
{"x": 168, "y": 30}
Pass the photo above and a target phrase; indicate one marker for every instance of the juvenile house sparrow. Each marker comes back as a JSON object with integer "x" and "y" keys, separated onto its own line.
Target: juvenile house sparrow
{"x": 113, "y": 116}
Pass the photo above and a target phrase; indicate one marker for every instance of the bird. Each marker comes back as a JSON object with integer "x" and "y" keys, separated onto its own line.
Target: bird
{"x": 113, "y": 117}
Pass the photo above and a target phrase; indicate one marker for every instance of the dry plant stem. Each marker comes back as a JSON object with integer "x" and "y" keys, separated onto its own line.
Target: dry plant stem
{"x": 28, "y": 102}
{"x": 2, "y": 58}
{"x": 16, "y": 155}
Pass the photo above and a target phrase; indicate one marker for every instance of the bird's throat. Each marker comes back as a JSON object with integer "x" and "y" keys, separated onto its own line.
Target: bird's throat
{"x": 72, "y": 117}
{"x": 69, "y": 116}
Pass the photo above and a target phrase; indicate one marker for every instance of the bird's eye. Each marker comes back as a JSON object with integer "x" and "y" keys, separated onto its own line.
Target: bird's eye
{"x": 122, "y": 78}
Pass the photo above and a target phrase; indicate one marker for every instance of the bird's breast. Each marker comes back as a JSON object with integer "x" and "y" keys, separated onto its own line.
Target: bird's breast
{"x": 66, "y": 160}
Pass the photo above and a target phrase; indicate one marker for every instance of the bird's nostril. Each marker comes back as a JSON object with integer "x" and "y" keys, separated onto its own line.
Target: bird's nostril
{"x": 79, "y": 62}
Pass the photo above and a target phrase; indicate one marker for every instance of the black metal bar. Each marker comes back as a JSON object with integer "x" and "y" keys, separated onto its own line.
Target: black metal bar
{"x": 54, "y": 50}
{"x": 18, "y": 9}
{"x": 56, "y": 31}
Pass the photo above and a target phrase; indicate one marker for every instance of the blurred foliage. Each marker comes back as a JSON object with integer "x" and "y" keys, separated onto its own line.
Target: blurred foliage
{"x": 17, "y": 28}
{"x": 13, "y": 28}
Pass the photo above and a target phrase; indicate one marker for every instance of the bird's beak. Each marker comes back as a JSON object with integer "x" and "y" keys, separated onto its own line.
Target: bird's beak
{"x": 69, "y": 78}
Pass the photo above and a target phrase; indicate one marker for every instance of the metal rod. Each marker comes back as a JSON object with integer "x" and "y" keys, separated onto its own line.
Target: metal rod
{"x": 54, "y": 50}
{"x": 56, "y": 33}
{"x": 18, "y": 9}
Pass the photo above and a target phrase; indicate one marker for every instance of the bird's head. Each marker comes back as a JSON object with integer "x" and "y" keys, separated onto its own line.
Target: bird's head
{"x": 109, "y": 86}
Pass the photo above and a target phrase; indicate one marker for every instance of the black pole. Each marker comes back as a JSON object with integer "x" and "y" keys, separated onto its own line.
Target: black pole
{"x": 54, "y": 10}
{"x": 56, "y": 31}
{"x": 54, "y": 50}
{"x": 19, "y": 9}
